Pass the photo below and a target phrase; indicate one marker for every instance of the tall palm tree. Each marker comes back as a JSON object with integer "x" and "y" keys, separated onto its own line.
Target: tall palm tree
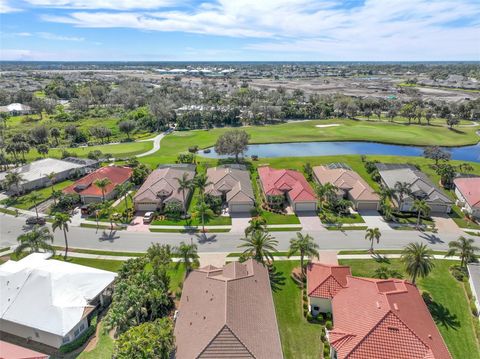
{"x": 102, "y": 184}
{"x": 305, "y": 245}
{"x": 13, "y": 179}
{"x": 34, "y": 197}
{"x": 325, "y": 193}
{"x": 385, "y": 193}
{"x": 373, "y": 234}
{"x": 35, "y": 240}
{"x": 203, "y": 211}
{"x": 422, "y": 209}
{"x": 402, "y": 189}
{"x": 184, "y": 183}
{"x": 123, "y": 191}
{"x": 52, "y": 177}
{"x": 60, "y": 221}
{"x": 418, "y": 260}
{"x": 259, "y": 246}
{"x": 256, "y": 224}
{"x": 464, "y": 248}
{"x": 201, "y": 182}
{"x": 188, "y": 255}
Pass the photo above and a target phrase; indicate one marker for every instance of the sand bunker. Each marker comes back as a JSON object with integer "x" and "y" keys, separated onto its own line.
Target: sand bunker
{"x": 331, "y": 125}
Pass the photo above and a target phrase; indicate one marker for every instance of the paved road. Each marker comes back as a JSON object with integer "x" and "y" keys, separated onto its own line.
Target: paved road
{"x": 11, "y": 227}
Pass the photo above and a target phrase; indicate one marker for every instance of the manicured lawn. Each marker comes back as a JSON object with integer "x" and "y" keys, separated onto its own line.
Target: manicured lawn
{"x": 105, "y": 253}
{"x": 103, "y": 349}
{"x": 456, "y": 325}
{"x": 346, "y": 219}
{"x": 300, "y": 339}
{"x": 45, "y": 193}
{"x": 347, "y": 228}
{"x": 215, "y": 221}
{"x": 275, "y": 218}
{"x": 461, "y": 221}
{"x": 105, "y": 264}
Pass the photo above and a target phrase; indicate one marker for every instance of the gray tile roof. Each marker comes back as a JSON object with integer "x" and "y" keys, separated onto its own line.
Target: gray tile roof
{"x": 232, "y": 180}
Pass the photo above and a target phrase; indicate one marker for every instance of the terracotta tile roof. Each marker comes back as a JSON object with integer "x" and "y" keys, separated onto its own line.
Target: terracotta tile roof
{"x": 276, "y": 182}
{"x": 346, "y": 180}
{"x": 12, "y": 351}
{"x": 85, "y": 186}
{"x": 470, "y": 189}
{"x": 227, "y": 313}
{"x": 325, "y": 280}
{"x": 378, "y": 319}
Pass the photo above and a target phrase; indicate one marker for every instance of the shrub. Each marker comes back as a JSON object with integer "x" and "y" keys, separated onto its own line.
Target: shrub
{"x": 329, "y": 325}
{"x": 305, "y": 306}
{"x": 254, "y": 158}
{"x": 326, "y": 350}
{"x": 82, "y": 339}
{"x": 474, "y": 309}
{"x": 460, "y": 273}
{"x": 305, "y": 312}
{"x": 427, "y": 298}
{"x": 328, "y": 316}
{"x": 193, "y": 149}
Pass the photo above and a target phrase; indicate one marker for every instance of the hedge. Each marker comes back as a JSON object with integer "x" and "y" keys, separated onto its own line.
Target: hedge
{"x": 82, "y": 339}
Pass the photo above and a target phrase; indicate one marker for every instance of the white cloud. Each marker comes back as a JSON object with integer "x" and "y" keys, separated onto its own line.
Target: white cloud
{"x": 102, "y": 4}
{"x": 55, "y": 37}
{"x": 5, "y": 7}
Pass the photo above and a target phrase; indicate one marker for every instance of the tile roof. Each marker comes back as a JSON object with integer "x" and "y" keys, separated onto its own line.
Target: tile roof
{"x": 347, "y": 180}
{"x": 12, "y": 351}
{"x": 379, "y": 319}
{"x": 85, "y": 186}
{"x": 227, "y": 313}
{"x": 326, "y": 280}
{"x": 470, "y": 189}
{"x": 276, "y": 182}
{"x": 233, "y": 180}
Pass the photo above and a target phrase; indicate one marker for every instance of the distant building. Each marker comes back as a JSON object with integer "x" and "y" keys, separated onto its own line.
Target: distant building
{"x": 228, "y": 313}
{"x": 50, "y": 301}
{"x": 16, "y": 109}
{"x": 467, "y": 191}
{"x": 35, "y": 173}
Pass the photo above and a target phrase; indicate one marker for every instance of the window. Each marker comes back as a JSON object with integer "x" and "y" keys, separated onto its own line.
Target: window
{"x": 76, "y": 332}
{"x": 65, "y": 339}
{"x": 82, "y": 326}
{"x": 37, "y": 335}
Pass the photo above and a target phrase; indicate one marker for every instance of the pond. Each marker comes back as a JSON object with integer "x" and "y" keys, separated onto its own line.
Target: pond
{"x": 300, "y": 149}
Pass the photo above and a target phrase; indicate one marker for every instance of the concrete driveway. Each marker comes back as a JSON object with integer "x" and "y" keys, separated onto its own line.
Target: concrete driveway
{"x": 373, "y": 219}
{"x": 137, "y": 225}
{"x": 444, "y": 223}
{"x": 310, "y": 221}
{"x": 240, "y": 222}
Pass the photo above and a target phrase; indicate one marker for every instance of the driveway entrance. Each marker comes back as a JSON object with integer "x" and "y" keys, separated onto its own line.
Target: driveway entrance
{"x": 310, "y": 221}
{"x": 373, "y": 219}
{"x": 240, "y": 221}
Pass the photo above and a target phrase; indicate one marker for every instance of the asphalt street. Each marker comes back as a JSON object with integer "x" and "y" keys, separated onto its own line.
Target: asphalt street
{"x": 11, "y": 227}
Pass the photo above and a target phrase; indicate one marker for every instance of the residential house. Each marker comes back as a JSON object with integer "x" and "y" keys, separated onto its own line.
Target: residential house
{"x": 12, "y": 351}
{"x": 474, "y": 281}
{"x": 90, "y": 193}
{"x": 467, "y": 191}
{"x": 16, "y": 109}
{"x": 374, "y": 318}
{"x": 290, "y": 184}
{"x": 420, "y": 186}
{"x": 162, "y": 187}
{"x": 50, "y": 301}
{"x": 232, "y": 184}
{"x": 350, "y": 185}
{"x": 35, "y": 174}
{"x": 227, "y": 313}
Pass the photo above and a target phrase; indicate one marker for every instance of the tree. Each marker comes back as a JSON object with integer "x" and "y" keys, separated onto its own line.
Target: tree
{"x": 126, "y": 127}
{"x": 437, "y": 154}
{"x": 452, "y": 121}
{"x": 123, "y": 190}
{"x": 39, "y": 135}
{"x": 35, "y": 241}
{"x": 308, "y": 170}
{"x": 422, "y": 209}
{"x": 60, "y": 221}
{"x": 383, "y": 272}
{"x": 464, "y": 248}
{"x": 42, "y": 149}
{"x": 325, "y": 193}
{"x": 256, "y": 224}
{"x": 447, "y": 174}
{"x": 102, "y": 184}
{"x": 408, "y": 111}
{"x": 418, "y": 260}
{"x": 259, "y": 246}
{"x": 55, "y": 133}
{"x": 148, "y": 340}
{"x": 34, "y": 198}
{"x": 13, "y": 179}
{"x": 305, "y": 245}
{"x": 203, "y": 211}
{"x": 201, "y": 182}
{"x": 372, "y": 234}
{"x": 402, "y": 189}
{"x": 233, "y": 142}
{"x": 184, "y": 184}
{"x": 188, "y": 254}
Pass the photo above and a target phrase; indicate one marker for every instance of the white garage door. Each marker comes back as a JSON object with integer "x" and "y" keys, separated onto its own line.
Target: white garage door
{"x": 367, "y": 205}
{"x": 299, "y": 207}
{"x": 240, "y": 208}
{"x": 145, "y": 207}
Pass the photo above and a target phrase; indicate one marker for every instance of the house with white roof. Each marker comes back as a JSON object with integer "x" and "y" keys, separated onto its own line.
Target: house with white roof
{"x": 16, "y": 109}
{"x": 50, "y": 301}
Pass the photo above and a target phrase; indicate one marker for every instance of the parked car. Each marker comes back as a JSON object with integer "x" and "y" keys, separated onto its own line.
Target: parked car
{"x": 148, "y": 217}
{"x": 34, "y": 220}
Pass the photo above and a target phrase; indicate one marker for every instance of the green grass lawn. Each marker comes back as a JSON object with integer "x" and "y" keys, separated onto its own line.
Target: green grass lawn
{"x": 461, "y": 221}
{"x": 275, "y": 218}
{"x": 345, "y": 219}
{"x": 300, "y": 339}
{"x": 446, "y": 291}
{"x": 22, "y": 202}
{"x": 103, "y": 349}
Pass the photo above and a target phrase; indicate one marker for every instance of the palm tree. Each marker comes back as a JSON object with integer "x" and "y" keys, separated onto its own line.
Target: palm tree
{"x": 385, "y": 193}
{"x": 123, "y": 191}
{"x": 373, "y": 234}
{"x": 259, "y": 246}
{"x": 35, "y": 240}
{"x": 188, "y": 255}
{"x": 403, "y": 189}
{"x": 13, "y": 179}
{"x": 60, "y": 221}
{"x": 464, "y": 248}
{"x": 184, "y": 183}
{"x": 418, "y": 260}
{"x": 256, "y": 224}
{"x": 325, "y": 192}
{"x": 34, "y": 198}
{"x": 422, "y": 208}
{"x": 102, "y": 184}
{"x": 52, "y": 176}
{"x": 203, "y": 211}
{"x": 201, "y": 182}
{"x": 305, "y": 245}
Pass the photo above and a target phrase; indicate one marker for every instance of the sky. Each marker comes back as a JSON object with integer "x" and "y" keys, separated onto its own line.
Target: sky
{"x": 240, "y": 30}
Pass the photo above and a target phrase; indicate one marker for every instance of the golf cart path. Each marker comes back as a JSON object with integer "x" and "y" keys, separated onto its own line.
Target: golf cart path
{"x": 156, "y": 145}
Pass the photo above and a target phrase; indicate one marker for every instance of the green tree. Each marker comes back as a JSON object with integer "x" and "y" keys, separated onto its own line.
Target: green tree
{"x": 305, "y": 245}
{"x": 383, "y": 272}
{"x": 256, "y": 224}
{"x": 308, "y": 170}
{"x": 126, "y": 127}
{"x": 61, "y": 221}
{"x": 325, "y": 193}
{"x": 13, "y": 179}
{"x": 203, "y": 211}
{"x": 123, "y": 190}
{"x": 102, "y": 184}
{"x": 148, "y": 340}
{"x": 464, "y": 248}
{"x": 233, "y": 142}
{"x": 188, "y": 254}
{"x": 184, "y": 184}
{"x": 371, "y": 235}
{"x": 436, "y": 153}
{"x": 259, "y": 246}
{"x": 201, "y": 182}
{"x": 42, "y": 149}
{"x": 447, "y": 174}
{"x": 34, "y": 198}
{"x": 422, "y": 209}
{"x": 55, "y": 133}
{"x": 34, "y": 241}
{"x": 418, "y": 260}
{"x": 402, "y": 189}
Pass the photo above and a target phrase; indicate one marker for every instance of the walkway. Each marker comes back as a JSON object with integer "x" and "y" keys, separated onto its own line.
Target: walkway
{"x": 156, "y": 144}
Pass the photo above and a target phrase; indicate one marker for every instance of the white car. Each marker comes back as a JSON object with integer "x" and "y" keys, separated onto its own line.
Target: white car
{"x": 148, "y": 217}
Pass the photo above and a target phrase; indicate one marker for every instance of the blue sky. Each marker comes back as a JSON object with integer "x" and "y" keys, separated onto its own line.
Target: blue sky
{"x": 242, "y": 30}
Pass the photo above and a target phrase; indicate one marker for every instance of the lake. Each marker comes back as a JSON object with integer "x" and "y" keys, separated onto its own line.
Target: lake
{"x": 300, "y": 149}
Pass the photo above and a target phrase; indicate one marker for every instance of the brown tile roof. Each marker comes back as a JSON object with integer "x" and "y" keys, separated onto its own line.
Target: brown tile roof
{"x": 324, "y": 280}
{"x": 234, "y": 181}
{"x": 347, "y": 180}
{"x": 227, "y": 313}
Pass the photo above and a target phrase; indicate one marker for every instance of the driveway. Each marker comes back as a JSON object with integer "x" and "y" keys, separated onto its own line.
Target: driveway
{"x": 137, "y": 225}
{"x": 240, "y": 222}
{"x": 373, "y": 219}
{"x": 310, "y": 221}
{"x": 444, "y": 223}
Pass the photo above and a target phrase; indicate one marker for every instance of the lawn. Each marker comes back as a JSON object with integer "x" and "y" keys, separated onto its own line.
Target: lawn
{"x": 300, "y": 339}
{"x": 214, "y": 221}
{"x": 275, "y": 218}
{"x": 103, "y": 349}
{"x": 461, "y": 221}
{"x": 345, "y": 219}
{"x": 456, "y": 326}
